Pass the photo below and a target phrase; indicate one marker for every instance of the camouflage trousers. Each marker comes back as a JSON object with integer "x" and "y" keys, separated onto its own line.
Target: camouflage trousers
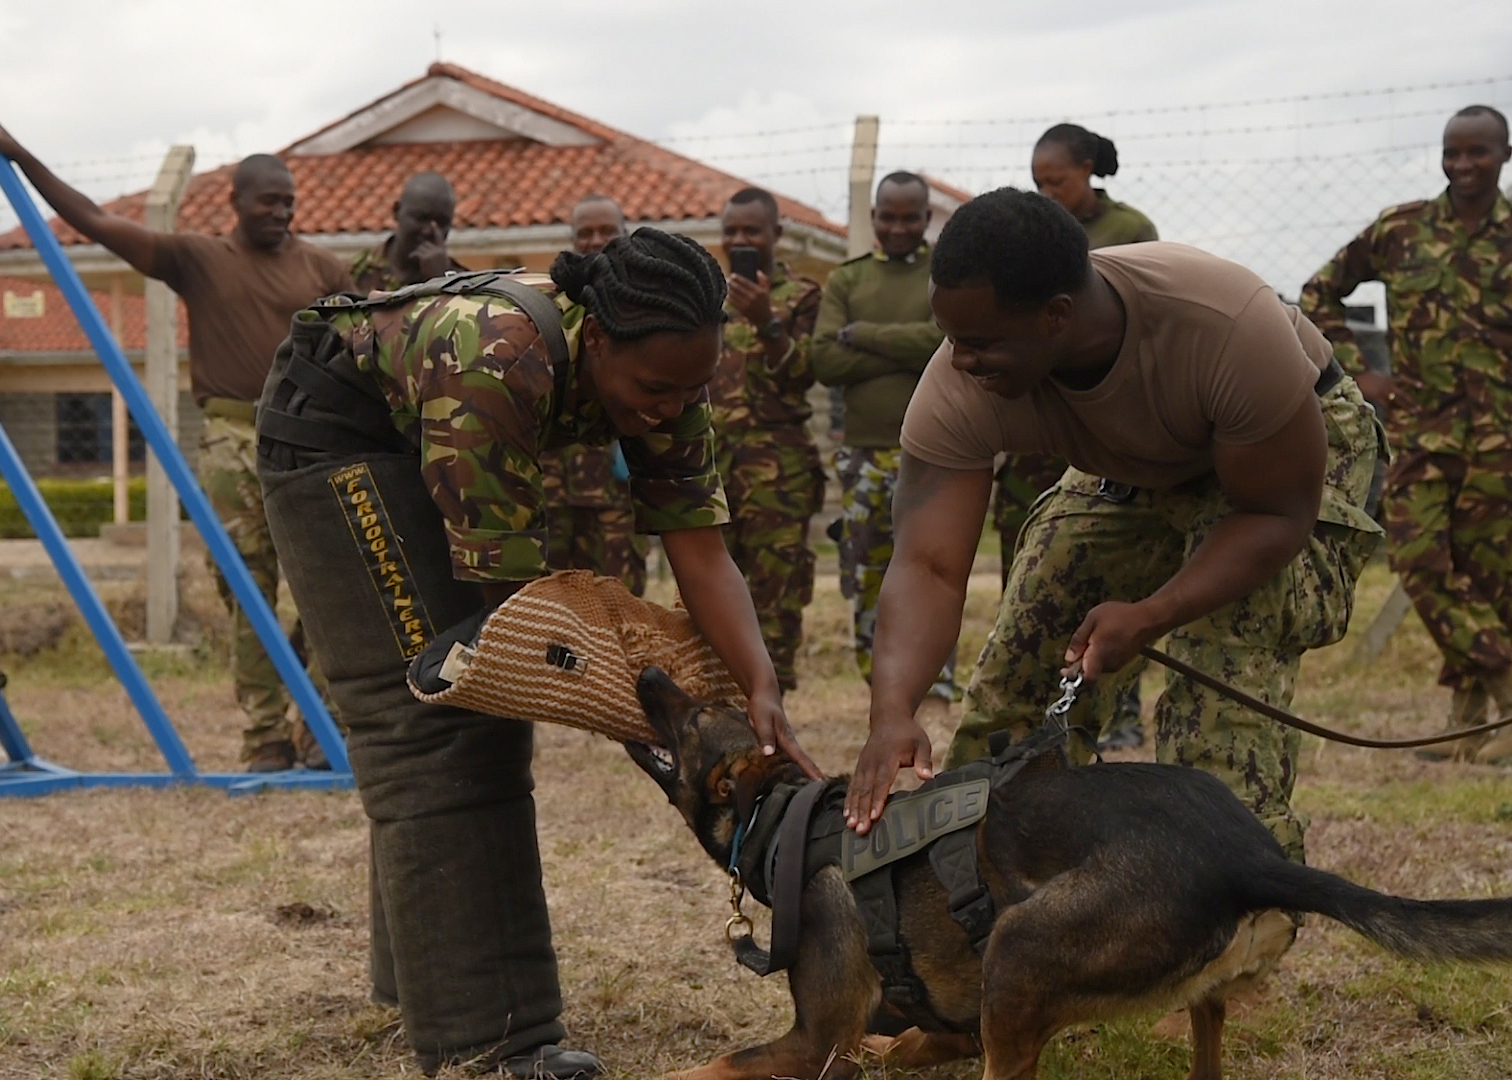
{"x": 598, "y": 538}
{"x": 590, "y": 520}
{"x": 1449, "y": 529}
{"x": 1022, "y": 479}
{"x": 227, "y": 470}
{"x": 868, "y": 478}
{"x": 774, "y": 485}
{"x": 1079, "y": 549}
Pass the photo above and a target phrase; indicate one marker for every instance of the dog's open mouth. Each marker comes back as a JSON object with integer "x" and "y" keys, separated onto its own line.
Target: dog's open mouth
{"x": 656, "y": 760}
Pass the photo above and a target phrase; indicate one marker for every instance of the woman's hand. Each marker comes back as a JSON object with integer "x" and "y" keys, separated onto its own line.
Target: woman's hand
{"x": 769, "y": 721}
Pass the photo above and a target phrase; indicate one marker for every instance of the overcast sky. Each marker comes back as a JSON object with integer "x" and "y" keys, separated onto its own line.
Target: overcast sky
{"x": 963, "y": 88}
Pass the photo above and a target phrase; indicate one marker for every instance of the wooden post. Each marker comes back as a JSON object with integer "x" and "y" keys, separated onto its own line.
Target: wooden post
{"x": 863, "y": 167}
{"x": 120, "y": 424}
{"x": 1392, "y": 612}
{"x": 161, "y": 380}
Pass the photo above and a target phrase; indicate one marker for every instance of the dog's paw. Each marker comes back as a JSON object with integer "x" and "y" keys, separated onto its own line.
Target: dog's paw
{"x": 878, "y": 1045}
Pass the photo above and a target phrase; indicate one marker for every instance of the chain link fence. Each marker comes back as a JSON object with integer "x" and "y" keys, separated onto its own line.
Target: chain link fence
{"x": 1277, "y": 184}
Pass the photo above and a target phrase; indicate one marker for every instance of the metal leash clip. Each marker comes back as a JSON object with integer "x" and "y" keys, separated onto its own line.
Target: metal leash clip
{"x": 1060, "y": 708}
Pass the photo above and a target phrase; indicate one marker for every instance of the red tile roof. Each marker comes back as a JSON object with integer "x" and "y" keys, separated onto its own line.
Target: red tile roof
{"x": 56, "y": 330}
{"x": 499, "y": 183}
{"x": 948, "y": 190}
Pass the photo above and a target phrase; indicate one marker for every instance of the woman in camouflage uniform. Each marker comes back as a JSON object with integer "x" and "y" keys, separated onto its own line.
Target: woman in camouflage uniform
{"x": 408, "y": 496}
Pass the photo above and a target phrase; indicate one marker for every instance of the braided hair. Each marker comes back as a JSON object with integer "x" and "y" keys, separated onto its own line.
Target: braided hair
{"x": 1084, "y": 145}
{"x": 645, "y": 283}
{"x": 1028, "y": 247}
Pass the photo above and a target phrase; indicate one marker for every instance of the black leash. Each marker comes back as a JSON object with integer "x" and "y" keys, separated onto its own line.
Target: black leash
{"x": 786, "y": 888}
{"x": 1281, "y": 716}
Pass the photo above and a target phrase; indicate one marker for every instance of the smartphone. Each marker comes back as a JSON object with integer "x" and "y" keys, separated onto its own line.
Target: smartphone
{"x": 745, "y": 261}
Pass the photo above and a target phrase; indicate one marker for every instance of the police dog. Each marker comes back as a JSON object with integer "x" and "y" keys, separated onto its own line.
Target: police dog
{"x": 1120, "y": 888}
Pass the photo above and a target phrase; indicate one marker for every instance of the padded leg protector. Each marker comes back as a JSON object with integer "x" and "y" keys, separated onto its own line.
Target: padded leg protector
{"x": 471, "y": 941}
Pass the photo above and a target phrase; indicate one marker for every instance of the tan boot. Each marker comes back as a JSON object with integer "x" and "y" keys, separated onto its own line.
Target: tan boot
{"x": 1497, "y": 749}
{"x": 1467, "y": 708}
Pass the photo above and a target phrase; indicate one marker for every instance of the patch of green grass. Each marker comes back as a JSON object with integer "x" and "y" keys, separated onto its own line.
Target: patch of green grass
{"x": 1457, "y": 997}
{"x": 93, "y": 1065}
{"x": 1479, "y": 800}
{"x": 1121, "y": 1048}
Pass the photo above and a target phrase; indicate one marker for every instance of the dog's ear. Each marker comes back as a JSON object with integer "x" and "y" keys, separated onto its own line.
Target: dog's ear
{"x": 748, "y": 777}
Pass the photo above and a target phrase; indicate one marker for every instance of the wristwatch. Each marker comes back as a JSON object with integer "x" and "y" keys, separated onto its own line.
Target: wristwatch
{"x": 771, "y": 330}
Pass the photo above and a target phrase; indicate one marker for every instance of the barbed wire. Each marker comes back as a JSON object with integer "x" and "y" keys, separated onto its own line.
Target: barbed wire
{"x": 771, "y": 133}
{"x": 1151, "y": 110}
{"x": 1246, "y": 103}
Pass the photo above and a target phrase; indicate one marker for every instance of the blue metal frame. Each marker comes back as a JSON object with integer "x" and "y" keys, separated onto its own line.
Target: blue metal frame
{"x": 28, "y": 774}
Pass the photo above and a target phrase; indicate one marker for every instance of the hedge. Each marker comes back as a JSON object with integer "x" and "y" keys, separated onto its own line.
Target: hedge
{"x": 81, "y": 506}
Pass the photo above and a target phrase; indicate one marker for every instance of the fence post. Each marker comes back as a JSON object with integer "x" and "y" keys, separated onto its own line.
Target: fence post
{"x": 161, "y": 378}
{"x": 863, "y": 166}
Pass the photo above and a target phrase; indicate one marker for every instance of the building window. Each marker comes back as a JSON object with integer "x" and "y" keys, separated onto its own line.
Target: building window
{"x": 85, "y": 432}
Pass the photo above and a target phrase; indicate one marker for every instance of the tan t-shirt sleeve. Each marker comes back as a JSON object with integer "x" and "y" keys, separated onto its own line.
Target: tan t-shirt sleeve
{"x": 1264, "y": 373}
{"x": 951, "y": 421}
{"x": 173, "y": 260}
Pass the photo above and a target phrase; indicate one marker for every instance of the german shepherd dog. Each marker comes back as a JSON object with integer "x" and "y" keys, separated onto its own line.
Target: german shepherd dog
{"x": 1120, "y": 888}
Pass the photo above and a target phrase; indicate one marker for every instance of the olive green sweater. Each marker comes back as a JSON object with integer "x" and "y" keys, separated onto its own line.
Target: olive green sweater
{"x": 887, "y": 302}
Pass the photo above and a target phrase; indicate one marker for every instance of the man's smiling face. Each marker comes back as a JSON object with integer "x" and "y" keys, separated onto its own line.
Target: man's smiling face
{"x": 1007, "y": 352}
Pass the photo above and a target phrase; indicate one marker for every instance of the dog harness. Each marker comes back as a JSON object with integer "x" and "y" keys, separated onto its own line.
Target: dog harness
{"x": 795, "y": 831}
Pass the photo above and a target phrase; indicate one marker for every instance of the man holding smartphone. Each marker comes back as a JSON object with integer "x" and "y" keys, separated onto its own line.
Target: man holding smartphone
{"x": 768, "y": 460}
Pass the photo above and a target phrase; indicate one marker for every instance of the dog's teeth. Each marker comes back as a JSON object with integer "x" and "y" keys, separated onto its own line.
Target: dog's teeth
{"x": 663, "y": 758}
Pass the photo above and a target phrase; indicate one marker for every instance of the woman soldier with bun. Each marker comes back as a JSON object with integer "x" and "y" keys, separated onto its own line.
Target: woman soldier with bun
{"x": 1066, "y": 158}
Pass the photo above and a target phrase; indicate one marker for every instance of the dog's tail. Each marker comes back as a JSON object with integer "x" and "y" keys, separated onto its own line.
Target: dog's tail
{"x": 1421, "y": 929}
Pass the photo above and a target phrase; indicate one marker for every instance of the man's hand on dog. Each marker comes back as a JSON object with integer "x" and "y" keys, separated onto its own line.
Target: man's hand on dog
{"x": 1110, "y": 637}
{"x": 770, "y": 722}
{"x": 890, "y": 747}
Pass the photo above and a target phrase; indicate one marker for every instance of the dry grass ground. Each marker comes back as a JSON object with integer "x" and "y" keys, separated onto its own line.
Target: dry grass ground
{"x": 185, "y": 934}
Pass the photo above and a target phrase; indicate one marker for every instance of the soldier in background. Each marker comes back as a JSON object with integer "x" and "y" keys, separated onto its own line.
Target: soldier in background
{"x": 874, "y": 336}
{"x": 240, "y": 289}
{"x": 416, "y": 249}
{"x": 767, "y": 458}
{"x": 1066, "y": 158}
{"x": 590, "y": 522}
{"x": 1447, "y": 267}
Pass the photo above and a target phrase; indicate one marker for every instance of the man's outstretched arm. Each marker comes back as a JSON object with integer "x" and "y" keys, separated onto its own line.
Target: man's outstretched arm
{"x": 134, "y": 243}
{"x": 937, "y": 521}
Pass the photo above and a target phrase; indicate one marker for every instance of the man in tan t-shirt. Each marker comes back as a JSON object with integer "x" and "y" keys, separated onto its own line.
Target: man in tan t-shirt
{"x": 241, "y": 290}
{"x": 1220, "y": 461}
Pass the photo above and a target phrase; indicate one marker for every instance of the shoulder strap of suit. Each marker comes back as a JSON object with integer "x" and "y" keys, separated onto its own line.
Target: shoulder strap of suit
{"x": 537, "y": 306}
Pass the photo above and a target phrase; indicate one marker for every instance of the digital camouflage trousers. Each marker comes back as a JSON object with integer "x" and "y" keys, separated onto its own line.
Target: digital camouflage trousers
{"x": 1022, "y": 479}
{"x": 868, "y": 478}
{"x": 1079, "y": 549}
{"x": 774, "y": 488}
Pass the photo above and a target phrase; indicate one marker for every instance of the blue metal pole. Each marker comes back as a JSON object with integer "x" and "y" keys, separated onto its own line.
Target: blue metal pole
{"x": 12, "y": 738}
{"x": 261, "y": 616}
{"x": 100, "y": 623}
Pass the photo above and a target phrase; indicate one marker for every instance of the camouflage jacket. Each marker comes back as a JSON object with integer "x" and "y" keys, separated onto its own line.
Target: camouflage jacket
{"x": 1449, "y": 316}
{"x": 469, "y": 383}
{"x": 580, "y": 475}
{"x": 760, "y": 385}
{"x": 371, "y": 271}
